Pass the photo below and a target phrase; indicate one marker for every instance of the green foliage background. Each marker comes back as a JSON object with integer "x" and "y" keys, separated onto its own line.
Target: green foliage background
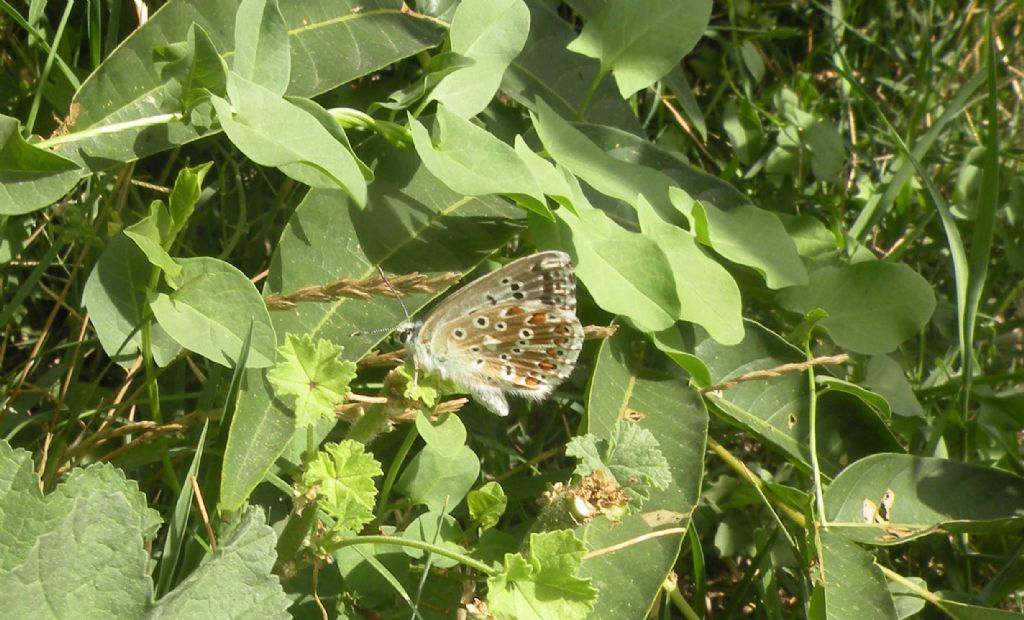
{"x": 803, "y": 220}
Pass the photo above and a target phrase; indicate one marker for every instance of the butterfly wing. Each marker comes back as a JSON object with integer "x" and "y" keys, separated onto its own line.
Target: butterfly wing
{"x": 513, "y": 330}
{"x": 524, "y": 348}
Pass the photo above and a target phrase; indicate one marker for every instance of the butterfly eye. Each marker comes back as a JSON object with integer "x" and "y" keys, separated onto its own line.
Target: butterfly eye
{"x": 405, "y": 336}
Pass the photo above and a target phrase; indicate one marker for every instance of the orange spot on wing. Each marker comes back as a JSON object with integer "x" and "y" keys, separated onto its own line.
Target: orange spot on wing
{"x": 514, "y": 311}
{"x": 538, "y": 318}
{"x": 546, "y": 365}
{"x": 531, "y": 382}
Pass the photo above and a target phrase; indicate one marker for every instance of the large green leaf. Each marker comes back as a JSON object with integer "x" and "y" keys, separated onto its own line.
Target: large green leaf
{"x": 490, "y": 33}
{"x": 931, "y": 495}
{"x": 411, "y": 222}
{"x": 331, "y": 41}
{"x": 30, "y": 177}
{"x": 307, "y": 151}
{"x": 632, "y": 380}
{"x": 872, "y": 306}
{"x": 261, "y": 45}
{"x": 641, "y": 41}
{"x": 464, "y": 157}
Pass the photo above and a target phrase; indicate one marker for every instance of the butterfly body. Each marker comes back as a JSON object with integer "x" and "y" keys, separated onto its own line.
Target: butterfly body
{"x": 512, "y": 331}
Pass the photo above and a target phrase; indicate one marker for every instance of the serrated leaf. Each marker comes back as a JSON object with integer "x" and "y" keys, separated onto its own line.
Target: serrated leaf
{"x": 311, "y": 377}
{"x": 633, "y": 458}
{"x": 491, "y": 33}
{"x": 641, "y": 41}
{"x": 344, "y": 474}
{"x": 487, "y": 504}
{"x": 544, "y": 585}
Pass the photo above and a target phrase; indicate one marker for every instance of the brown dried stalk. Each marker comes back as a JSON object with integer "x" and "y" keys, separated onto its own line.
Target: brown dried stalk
{"x": 405, "y": 284}
{"x": 778, "y": 371}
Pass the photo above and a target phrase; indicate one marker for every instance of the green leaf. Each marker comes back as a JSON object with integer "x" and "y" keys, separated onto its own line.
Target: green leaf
{"x": 437, "y": 529}
{"x": 30, "y": 177}
{"x": 708, "y": 295}
{"x": 872, "y": 306}
{"x": 627, "y": 273}
{"x": 748, "y": 236}
{"x": 149, "y": 234}
{"x": 491, "y": 33}
{"x": 854, "y": 586}
{"x": 632, "y": 457}
{"x": 311, "y": 377}
{"x": 343, "y": 473}
{"x": 94, "y": 526}
{"x": 486, "y": 505}
{"x": 184, "y": 196}
{"x": 931, "y": 495}
{"x": 412, "y": 222}
{"x": 641, "y": 42}
{"x": 213, "y": 309}
{"x": 466, "y": 156}
{"x": 447, "y": 433}
{"x": 828, "y": 153}
{"x": 885, "y": 376}
{"x": 128, "y": 96}
{"x": 115, "y": 296}
{"x": 546, "y": 71}
{"x": 306, "y": 152}
{"x": 545, "y": 584}
{"x": 632, "y": 380}
{"x": 261, "y": 45}
{"x": 608, "y": 175}
{"x": 439, "y": 478}
{"x": 233, "y": 582}
{"x": 775, "y": 410}
{"x": 672, "y": 344}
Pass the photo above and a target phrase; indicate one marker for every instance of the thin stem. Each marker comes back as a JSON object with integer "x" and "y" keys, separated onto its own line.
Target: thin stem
{"x": 389, "y": 480}
{"x": 31, "y": 120}
{"x": 813, "y": 439}
{"x": 415, "y": 544}
{"x": 582, "y": 111}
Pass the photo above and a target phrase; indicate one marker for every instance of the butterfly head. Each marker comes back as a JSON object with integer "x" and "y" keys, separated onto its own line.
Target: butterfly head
{"x": 407, "y": 333}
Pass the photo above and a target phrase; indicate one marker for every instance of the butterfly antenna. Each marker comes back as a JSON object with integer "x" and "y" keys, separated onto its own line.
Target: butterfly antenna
{"x": 397, "y": 296}
{"x": 387, "y": 283}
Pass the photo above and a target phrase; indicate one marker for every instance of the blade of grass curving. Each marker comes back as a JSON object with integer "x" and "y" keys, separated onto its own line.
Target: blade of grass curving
{"x": 877, "y": 208}
{"x": 176, "y": 527}
{"x": 43, "y": 81}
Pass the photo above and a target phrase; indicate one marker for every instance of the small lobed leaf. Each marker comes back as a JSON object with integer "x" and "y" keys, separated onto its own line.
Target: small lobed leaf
{"x": 310, "y": 376}
{"x": 343, "y": 473}
{"x": 633, "y": 458}
{"x": 544, "y": 585}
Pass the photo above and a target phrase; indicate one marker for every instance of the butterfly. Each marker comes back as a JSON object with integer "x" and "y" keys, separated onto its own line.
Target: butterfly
{"x": 513, "y": 331}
